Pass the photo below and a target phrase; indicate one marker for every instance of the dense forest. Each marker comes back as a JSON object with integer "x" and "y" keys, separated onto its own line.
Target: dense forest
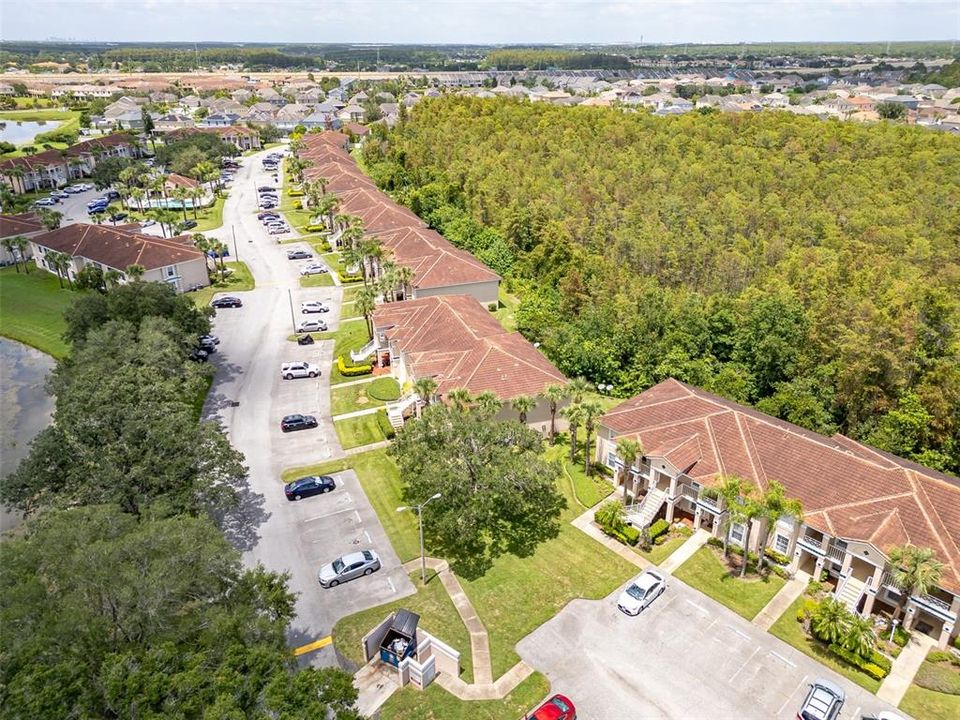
{"x": 809, "y": 268}
{"x": 540, "y": 59}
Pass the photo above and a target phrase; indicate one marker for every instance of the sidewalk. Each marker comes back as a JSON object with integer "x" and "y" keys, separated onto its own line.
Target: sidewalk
{"x": 782, "y": 600}
{"x": 905, "y": 667}
{"x": 685, "y": 551}
{"x": 585, "y": 523}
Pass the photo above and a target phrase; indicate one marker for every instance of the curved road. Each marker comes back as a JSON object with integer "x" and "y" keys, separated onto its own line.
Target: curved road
{"x": 296, "y": 537}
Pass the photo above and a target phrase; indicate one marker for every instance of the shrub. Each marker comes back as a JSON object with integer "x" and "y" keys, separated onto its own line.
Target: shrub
{"x": 660, "y": 527}
{"x": 939, "y": 678}
{"x": 778, "y": 558}
{"x": 936, "y": 656}
{"x": 492, "y": 307}
{"x": 314, "y": 227}
{"x": 807, "y": 611}
{"x": 349, "y": 278}
{"x": 352, "y": 370}
{"x": 872, "y": 666}
{"x": 780, "y": 572}
{"x": 383, "y": 421}
{"x": 384, "y": 388}
{"x": 715, "y": 542}
{"x": 660, "y": 540}
{"x": 956, "y": 642}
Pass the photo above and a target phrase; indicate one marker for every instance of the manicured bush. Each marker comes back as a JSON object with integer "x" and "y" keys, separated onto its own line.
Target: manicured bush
{"x": 630, "y": 535}
{"x": 877, "y": 666}
{"x": 660, "y": 527}
{"x": 936, "y": 656}
{"x": 295, "y": 193}
{"x": 384, "y": 388}
{"x": 715, "y": 542}
{"x": 352, "y": 370}
{"x": 778, "y": 558}
{"x": 314, "y": 227}
{"x": 780, "y": 572}
{"x": 956, "y": 642}
{"x": 938, "y": 677}
{"x": 383, "y": 421}
{"x": 297, "y": 205}
{"x": 492, "y": 307}
{"x": 349, "y": 278}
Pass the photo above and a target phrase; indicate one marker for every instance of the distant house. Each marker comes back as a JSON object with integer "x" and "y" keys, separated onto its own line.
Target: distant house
{"x": 24, "y": 225}
{"x": 175, "y": 181}
{"x": 173, "y": 261}
{"x": 219, "y": 120}
{"x": 352, "y": 113}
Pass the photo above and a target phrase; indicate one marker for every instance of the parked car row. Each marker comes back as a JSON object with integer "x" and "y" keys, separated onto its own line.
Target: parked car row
{"x": 271, "y": 162}
{"x": 274, "y": 223}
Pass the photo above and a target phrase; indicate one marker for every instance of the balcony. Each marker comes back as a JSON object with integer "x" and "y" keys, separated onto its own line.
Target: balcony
{"x": 835, "y": 552}
{"x": 706, "y": 500}
{"x": 935, "y": 606}
{"x": 811, "y": 543}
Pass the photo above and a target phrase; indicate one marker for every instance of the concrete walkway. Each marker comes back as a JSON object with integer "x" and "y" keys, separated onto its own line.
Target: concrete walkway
{"x": 782, "y": 600}
{"x": 585, "y": 523}
{"x": 375, "y": 683}
{"x": 686, "y": 551}
{"x": 366, "y": 448}
{"x": 483, "y": 686}
{"x": 358, "y": 413}
{"x": 896, "y": 684}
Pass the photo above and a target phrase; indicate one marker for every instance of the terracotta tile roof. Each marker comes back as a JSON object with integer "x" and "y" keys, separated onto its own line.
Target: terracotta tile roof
{"x": 116, "y": 247}
{"x": 47, "y": 158}
{"x": 433, "y": 259}
{"x": 94, "y": 145}
{"x": 378, "y": 212}
{"x": 847, "y": 489}
{"x": 455, "y": 340}
{"x": 22, "y": 224}
{"x": 181, "y": 181}
{"x": 327, "y": 137}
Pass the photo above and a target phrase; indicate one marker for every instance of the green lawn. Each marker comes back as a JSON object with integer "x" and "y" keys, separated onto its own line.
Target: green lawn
{"x": 435, "y": 703}
{"x": 517, "y": 595}
{"x": 507, "y": 311}
{"x": 297, "y": 219}
{"x": 587, "y": 491}
{"x": 352, "y": 335}
{"x": 239, "y": 280}
{"x": 322, "y": 280}
{"x": 930, "y": 705}
{"x": 208, "y": 218}
{"x": 791, "y": 632}
{"x": 361, "y": 430}
{"x": 32, "y": 307}
{"x": 659, "y": 553}
{"x": 438, "y": 616}
{"x": 350, "y": 292}
{"x": 348, "y": 311}
{"x": 357, "y": 397}
{"x": 746, "y": 597}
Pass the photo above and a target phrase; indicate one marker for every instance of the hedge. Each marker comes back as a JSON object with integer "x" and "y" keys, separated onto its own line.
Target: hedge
{"x": 871, "y": 667}
{"x": 384, "y": 388}
{"x": 778, "y": 558}
{"x": 383, "y": 421}
{"x": 315, "y": 228}
{"x": 658, "y": 528}
{"x": 349, "y": 278}
{"x": 352, "y": 370}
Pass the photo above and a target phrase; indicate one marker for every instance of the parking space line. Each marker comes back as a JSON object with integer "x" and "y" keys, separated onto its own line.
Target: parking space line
{"x": 390, "y": 583}
{"x": 738, "y": 632}
{"x": 358, "y": 515}
{"x": 790, "y": 696}
{"x": 326, "y": 515}
{"x": 698, "y": 607}
{"x": 310, "y": 647}
{"x": 369, "y": 539}
{"x": 781, "y": 657}
{"x": 856, "y": 713}
{"x": 740, "y": 669}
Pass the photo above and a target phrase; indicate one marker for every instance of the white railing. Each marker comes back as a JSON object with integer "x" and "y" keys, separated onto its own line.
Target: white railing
{"x": 401, "y": 405}
{"x": 364, "y": 352}
{"x": 935, "y": 604}
{"x": 836, "y": 553}
{"x": 811, "y": 541}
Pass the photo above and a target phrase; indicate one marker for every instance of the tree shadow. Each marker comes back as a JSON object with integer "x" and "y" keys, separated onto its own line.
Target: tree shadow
{"x": 240, "y": 522}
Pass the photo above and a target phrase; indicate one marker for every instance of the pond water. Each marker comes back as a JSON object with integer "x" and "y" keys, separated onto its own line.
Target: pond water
{"x": 25, "y": 407}
{"x": 20, "y": 132}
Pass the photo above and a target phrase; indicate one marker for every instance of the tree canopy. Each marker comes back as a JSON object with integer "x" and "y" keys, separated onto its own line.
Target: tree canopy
{"x": 808, "y": 267}
{"x": 498, "y": 494}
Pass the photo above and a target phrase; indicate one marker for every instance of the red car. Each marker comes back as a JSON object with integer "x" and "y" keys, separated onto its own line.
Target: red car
{"x": 558, "y": 707}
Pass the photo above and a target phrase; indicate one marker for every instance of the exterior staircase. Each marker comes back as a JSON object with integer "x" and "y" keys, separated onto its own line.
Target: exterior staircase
{"x": 850, "y": 592}
{"x": 641, "y": 514}
{"x": 364, "y": 352}
{"x": 395, "y": 410}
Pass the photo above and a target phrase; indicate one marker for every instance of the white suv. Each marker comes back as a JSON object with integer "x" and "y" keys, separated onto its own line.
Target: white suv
{"x": 299, "y": 370}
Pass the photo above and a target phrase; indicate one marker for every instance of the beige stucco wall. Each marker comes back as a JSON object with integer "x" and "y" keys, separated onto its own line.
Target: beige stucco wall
{"x": 485, "y": 292}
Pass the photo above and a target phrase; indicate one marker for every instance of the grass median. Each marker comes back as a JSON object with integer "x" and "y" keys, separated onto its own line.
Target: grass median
{"x": 435, "y": 703}
{"x": 239, "y": 280}
{"x": 746, "y": 597}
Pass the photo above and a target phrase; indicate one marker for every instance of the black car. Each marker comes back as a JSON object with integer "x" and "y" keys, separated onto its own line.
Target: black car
{"x": 306, "y": 486}
{"x": 227, "y": 301}
{"x": 298, "y": 255}
{"x": 116, "y": 217}
{"x": 265, "y": 215}
{"x": 298, "y": 422}
{"x": 188, "y": 224}
{"x": 199, "y": 355}
{"x": 305, "y": 340}
{"x": 207, "y": 345}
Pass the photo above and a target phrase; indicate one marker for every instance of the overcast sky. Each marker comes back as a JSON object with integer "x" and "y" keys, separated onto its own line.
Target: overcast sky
{"x": 479, "y": 21}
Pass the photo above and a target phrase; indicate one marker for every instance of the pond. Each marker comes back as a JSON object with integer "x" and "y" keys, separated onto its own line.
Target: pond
{"x": 20, "y": 132}
{"x": 25, "y": 407}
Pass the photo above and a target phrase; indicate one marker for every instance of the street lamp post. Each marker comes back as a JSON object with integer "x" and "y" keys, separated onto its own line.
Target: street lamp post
{"x": 419, "y": 510}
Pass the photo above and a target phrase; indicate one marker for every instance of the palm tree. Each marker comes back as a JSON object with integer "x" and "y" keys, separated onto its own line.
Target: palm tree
{"x": 387, "y": 283}
{"x": 774, "y": 504}
{"x": 365, "y": 303}
{"x": 731, "y": 488}
{"x": 111, "y": 278}
{"x": 370, "y": 254}
{"x": 523, "y": 404}
{"x": 860, "y": 637}
{"x": 327, "y": 207}
{"x": 351, "y": 257}
{"x": 322, "y": 183}
{"x": 205, "y": 245}
{"x": 575, "y": 416}
{"x": 628, "y": 451}
{"x": 487, "y": 403}
{"x": 180, "y": 195}
{"x": 916, "y": 571}
{"x": 554, "y": 394}
{"x": 425, "y": 387}
{"x": 196, "y": 195}
{"x": 577, "y": 388}
{"x": 138, "y": 194}
{"x": 748, "y": 510}
{"x": 591, "y": 411}
{"x": 460, "y": 398}
{"x": 17, "y": 246}
{"x": 60, "y": 262}
{"x": 135, "y": 271}
{"x": 51, "y": 219}
{"x": 830, "y": 620}
{"x": 221, "y": 250}
{"x": 404, "y": 276}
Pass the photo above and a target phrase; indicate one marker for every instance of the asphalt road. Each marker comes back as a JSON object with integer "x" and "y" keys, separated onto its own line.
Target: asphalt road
{"x": 296, "y": 537}
{"x": 683, "y": 658}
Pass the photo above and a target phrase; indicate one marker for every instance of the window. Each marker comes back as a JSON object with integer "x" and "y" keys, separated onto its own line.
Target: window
{"x": 736, "y": 533}
{"x": 781, "y": 543}
{"x": 611, "y": 459}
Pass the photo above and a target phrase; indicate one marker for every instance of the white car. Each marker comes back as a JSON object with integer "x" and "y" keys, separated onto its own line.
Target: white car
{"x": 308, "y": 326}
{"x": 148, "y": 223}
{"x": 641, "y": 591}
{"x": 313, "y": 268}
{"x": 314, "y": 306}
{"x": 277, "y": 231}
{"x": 289, "y": 371}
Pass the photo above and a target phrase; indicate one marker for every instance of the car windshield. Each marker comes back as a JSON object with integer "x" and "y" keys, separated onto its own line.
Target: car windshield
{"x": 636, "y": 592}
{"x": 338, "y": 566}
{"x": 561, "y": 705}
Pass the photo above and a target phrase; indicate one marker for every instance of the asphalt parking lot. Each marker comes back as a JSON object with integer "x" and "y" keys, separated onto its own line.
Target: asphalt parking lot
{"x": 295, "y": 537}
{"x": 684, "y": 657}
